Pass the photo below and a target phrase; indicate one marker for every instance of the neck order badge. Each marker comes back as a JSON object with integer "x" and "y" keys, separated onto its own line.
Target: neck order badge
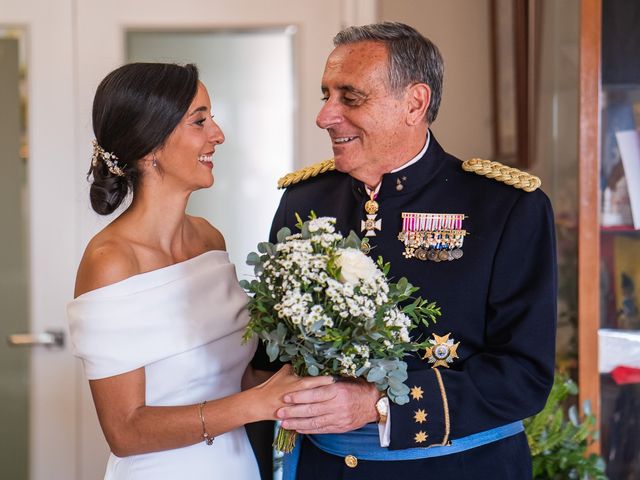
{"x": 370, "y": 225}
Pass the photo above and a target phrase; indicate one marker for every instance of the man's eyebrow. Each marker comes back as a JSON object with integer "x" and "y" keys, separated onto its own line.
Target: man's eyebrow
{"x": 346, "y": 88}
{"x": 199, "y": 109}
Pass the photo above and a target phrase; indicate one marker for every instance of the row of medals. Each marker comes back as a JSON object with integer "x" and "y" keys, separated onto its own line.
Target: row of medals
{"x": 437, "y": 245}
{"x": 433, "y": 245}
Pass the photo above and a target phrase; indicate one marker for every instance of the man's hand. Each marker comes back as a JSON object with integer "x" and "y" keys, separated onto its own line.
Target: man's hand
{"x": 337, "y": 408}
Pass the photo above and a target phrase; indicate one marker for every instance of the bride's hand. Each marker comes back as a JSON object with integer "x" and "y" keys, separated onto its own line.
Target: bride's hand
{"x": 272, "y": 391}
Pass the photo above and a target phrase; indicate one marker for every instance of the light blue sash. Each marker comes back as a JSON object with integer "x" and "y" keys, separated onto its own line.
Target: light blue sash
{"x": 364, "y": 444}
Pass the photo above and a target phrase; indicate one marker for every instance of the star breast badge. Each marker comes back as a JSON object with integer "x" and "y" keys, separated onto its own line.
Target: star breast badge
{"x": 442, "y": 351}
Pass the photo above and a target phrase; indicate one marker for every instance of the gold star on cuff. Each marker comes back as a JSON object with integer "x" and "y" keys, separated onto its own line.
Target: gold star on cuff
{"x": 420, "y": 416}
{"x": 416, "y": 393}
{"x": 421, "y": 437}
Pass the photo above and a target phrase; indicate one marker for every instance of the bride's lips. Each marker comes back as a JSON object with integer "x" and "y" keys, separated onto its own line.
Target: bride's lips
{"x": 206, "y": 159}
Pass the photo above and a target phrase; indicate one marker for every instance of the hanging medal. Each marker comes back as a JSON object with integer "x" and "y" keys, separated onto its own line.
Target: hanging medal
{"x": 371, "y": 224}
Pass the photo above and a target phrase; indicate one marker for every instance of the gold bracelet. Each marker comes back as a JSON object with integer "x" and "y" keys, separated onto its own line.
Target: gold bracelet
{"x": 207, "y": 438}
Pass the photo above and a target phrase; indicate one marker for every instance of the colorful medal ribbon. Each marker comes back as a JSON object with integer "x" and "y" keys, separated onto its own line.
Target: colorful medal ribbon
{"x": 432, "y": 236}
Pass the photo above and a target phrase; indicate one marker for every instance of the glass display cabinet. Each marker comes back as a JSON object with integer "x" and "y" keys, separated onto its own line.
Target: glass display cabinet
{"x": 609, "y": 228}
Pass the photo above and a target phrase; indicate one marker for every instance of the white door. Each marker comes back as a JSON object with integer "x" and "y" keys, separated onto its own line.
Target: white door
{"x": 38, "y": 235}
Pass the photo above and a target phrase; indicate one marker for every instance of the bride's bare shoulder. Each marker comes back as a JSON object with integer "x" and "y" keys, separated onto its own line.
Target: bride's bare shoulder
{"x": 209, "y": 235}
{"x": 107, "y": 259}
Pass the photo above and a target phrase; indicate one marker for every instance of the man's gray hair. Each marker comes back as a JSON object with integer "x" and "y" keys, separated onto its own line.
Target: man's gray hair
{"x": 412, "y": 57}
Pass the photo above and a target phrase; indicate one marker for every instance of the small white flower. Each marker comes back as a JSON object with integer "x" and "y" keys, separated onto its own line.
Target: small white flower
{"x": 325, "y": 224}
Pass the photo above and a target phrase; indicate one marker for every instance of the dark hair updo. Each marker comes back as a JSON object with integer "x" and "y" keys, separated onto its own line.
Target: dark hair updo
{"x": 135, "y": 109}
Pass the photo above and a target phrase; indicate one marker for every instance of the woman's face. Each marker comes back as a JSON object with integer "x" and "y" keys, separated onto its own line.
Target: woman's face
{"x": 186, "y": 157}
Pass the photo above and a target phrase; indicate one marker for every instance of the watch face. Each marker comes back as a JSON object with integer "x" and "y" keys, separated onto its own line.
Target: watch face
{"x": 381, "y": 406}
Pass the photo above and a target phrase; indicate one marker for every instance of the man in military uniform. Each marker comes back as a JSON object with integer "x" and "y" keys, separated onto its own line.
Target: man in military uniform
{"x": 481, "y": 248}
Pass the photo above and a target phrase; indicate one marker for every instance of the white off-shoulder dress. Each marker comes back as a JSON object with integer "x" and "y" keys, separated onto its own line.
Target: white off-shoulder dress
{"x": 183, "y": 324}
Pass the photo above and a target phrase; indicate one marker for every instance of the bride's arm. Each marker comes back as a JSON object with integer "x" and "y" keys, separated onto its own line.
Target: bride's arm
{"x": 131, "y": 427}
{"x": 253, "y": 377}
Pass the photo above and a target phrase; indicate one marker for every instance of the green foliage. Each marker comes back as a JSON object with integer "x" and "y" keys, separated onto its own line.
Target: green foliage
{"x": 558, "y": 439}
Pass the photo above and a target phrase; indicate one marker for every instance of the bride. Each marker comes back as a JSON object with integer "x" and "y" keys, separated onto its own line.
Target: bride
{"x": 158, "y": 314}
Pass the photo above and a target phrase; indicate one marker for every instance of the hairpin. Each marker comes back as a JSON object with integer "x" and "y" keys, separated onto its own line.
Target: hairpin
{"x": 109, "y": 158}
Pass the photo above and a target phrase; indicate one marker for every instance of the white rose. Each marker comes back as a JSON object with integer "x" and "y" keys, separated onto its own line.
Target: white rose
{"x": 355, "y": 265}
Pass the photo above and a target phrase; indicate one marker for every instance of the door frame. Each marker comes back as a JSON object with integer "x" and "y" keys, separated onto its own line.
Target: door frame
{"x": 52, "y": 227}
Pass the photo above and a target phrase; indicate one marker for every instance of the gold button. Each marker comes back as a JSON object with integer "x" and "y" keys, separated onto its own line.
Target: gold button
{"x": 351, "y": 461}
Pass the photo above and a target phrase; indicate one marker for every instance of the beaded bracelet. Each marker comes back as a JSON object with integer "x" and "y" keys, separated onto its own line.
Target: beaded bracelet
{"x": 207, "y": 438}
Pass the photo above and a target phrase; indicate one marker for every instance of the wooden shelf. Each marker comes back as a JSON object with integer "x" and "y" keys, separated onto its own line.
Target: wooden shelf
{"x": 620, "y": 229}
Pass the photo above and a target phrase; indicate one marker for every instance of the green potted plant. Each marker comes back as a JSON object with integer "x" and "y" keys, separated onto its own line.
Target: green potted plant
{"x": 559, "y": 439}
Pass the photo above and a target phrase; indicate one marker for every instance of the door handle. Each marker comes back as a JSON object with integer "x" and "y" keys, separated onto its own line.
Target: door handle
{"x": 50, "y": 339}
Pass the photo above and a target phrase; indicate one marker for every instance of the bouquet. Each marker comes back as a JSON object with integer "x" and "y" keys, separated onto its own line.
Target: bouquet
{"x": 327, "y": 308}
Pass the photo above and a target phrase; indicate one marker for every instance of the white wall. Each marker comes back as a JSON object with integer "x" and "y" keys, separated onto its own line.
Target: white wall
{"x": 460, "y": 29}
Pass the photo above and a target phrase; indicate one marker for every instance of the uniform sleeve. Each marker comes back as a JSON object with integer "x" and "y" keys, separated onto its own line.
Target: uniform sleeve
{"x": 260, "y": 360}
{"x": 509, "y": 377}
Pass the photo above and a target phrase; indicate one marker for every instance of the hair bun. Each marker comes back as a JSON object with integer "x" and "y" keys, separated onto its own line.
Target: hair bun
{"x": 108, "y": 191}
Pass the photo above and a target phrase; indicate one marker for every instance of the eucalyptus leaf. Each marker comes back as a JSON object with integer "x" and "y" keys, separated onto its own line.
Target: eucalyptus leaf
{"x": 291, "y": 349}
{"x": 398, "y": 388}
{"x": 398, "y": 375}
{"x": 353, "y": 241}
{"x": 253, "y": 259}
{"x": 401, "y": 399}
{"x": 272, "y": 351}
{"x": 281, "y": 332}
{"x": 282, "y": 234}
{"x": 376, "y": 374}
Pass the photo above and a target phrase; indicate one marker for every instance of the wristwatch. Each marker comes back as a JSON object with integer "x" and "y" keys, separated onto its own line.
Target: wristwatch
{"x": 382, "y": 407}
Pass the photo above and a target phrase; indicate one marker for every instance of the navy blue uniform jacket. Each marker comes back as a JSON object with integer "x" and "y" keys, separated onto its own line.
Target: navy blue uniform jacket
{"x": 498, "y": 300}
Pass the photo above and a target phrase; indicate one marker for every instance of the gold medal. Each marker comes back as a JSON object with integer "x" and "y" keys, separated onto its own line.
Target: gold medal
{"x": 371, "y": 207}
{"x": 420, "y": 254}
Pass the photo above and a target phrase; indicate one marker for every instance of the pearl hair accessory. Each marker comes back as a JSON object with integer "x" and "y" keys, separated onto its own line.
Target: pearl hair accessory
{"x": 110, "y": 159}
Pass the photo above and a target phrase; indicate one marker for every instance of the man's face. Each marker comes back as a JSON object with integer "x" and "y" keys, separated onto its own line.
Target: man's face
{"x": 365, "y": 120}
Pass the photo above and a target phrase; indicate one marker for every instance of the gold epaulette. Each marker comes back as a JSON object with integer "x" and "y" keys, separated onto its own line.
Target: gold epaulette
{"x": 509, "y": 175}
{"x": 306, "y": 173}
